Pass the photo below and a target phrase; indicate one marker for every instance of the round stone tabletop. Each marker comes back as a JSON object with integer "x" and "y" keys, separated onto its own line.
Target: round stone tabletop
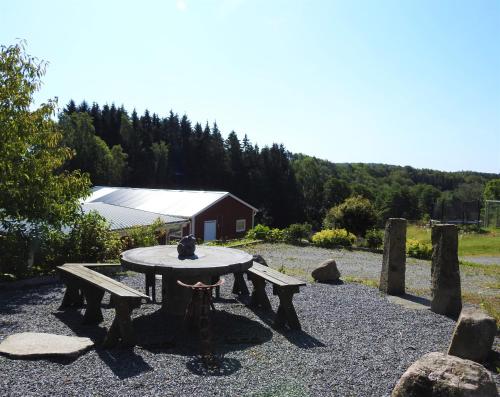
{"x": 207, "y": 261}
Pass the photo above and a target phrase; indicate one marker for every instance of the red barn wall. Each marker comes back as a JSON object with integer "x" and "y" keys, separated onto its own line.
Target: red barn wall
{"x": 225, "y": 212}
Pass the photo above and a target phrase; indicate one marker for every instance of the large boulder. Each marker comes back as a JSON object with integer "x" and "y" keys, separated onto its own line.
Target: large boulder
{"x": 37, "y": 344}
{"x": 440, "y": 375}
{"x": 474, "y": 335}
{"x": 327, "y": 272}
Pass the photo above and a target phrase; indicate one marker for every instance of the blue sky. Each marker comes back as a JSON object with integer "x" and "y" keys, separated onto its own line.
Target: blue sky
{"x": 397, "y": 82}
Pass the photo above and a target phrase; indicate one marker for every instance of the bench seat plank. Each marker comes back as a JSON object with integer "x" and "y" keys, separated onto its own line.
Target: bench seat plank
{"x": 275, "y": 277}
{"x": 103, "y": 282}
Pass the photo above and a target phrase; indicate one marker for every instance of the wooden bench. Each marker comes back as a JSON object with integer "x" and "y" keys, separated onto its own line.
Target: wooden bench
{"x": 284, "y": 286}
{"x": 83, "y": 282}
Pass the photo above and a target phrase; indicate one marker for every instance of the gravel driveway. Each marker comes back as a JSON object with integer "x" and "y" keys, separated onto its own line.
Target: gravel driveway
{"x": 366, "y": 265}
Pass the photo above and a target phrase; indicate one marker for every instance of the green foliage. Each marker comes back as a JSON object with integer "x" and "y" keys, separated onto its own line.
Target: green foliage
{"x": 330, "y": 238}
{"x": 14, "y": 252}
{"x": 259, "y": 232}
{"x": 143, "y": 236}
{"x": 374, "y": 238}
{"x": 297, "y": 232}
{"x": 356, "y": 214}
{"x": 31, "y": 155}
{"x": 91, "y": 240}
{"x": 492, "y": 190}
{"x": 418, "y": 249}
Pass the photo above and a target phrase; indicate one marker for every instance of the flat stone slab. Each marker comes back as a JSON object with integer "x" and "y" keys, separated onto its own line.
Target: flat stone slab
{"x": 410, "y": 302}
{"x": 37, "y": 344}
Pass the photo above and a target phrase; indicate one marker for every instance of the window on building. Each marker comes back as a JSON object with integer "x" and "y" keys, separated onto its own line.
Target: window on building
{"x": 241, "y": 225}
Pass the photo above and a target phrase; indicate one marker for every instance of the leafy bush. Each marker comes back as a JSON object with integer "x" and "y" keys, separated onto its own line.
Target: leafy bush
{"x": 356, "y": 214}
{"x": 144, "y": 236}
{"x": 259, "y": 232}
{"x": 418, "y": 249}
{"x": 297, "y": 232}
{"x": 276, "y": 236}
{"x": 374, "y": 238}
{"x": 91, "y": 240}
{"x": 14, "y": 251}
{"x": 330, "y": 238}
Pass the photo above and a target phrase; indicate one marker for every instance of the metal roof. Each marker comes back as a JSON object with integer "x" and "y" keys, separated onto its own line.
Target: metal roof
{"x": 124, "y": 218}
{"x": 183, "y": 203}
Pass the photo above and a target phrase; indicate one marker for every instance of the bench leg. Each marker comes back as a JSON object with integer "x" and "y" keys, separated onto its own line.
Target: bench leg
{"x": 259, "y": 297}
{"x": 93, "y": 313}
{"x": 121, "y": 329}
{"x": 286, "y": 312}
{"x": 72, "y": 296}
{"x": 240, "y": 287}
{"x": 151, "y": 284}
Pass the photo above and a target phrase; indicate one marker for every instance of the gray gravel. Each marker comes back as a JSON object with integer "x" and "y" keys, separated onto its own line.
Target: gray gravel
{"x": 354, "y": 343}
{"x": 366, "y": 265}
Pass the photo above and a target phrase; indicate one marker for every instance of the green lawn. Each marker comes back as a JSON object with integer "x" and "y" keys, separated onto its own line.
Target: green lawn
{"x": 469, "y": 244}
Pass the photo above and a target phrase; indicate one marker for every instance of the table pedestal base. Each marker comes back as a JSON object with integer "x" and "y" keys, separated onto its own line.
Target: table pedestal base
{"x": 175, "y": 298}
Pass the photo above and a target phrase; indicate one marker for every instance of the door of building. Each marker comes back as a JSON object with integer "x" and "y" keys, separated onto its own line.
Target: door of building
{"x": 209, "y": 230}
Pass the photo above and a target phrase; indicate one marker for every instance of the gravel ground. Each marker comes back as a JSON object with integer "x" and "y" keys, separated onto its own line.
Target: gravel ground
{"x": 483, "y": 259}
{"x": 365, "y": 265}
{"x": 354, "y": 342}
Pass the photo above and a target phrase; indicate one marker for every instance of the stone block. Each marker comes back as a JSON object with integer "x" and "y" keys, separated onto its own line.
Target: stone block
{"x": 445, "y": 272}
{"x": 474, "y": 335}
{"x": 392, "y": 277}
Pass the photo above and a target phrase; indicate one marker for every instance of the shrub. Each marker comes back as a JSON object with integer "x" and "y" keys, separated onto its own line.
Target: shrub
{"x": 356, "y": 214}
{"x": 418, "y": 249}
{"x": 142, "y": 236}
{"x": 330, "y": 238}
{"x": 297, "y": 232}
{"x": 91, "y": 240}
{"x": 276, "y": 236}
{"x": 374, "y": 238}
{"x": 14, "y": 250}
{"x": 259, "y": 232}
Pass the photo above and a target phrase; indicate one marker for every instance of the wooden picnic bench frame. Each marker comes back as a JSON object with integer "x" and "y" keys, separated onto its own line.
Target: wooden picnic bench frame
{"x": 283, "y": 285}
{"x": 83, "y": 282}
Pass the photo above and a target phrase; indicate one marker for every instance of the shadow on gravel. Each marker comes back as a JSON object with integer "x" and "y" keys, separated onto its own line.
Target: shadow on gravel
{"x": 125, "y": 363}
{"x": 12, "y": 302}
{"x": 299, "y": 338}
{"x": 416, "y": 299}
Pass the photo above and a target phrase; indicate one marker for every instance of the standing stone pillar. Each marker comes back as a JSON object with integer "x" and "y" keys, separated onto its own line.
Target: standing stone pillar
{"x": 445, "y": 273}
{"x": 392, "y": 277}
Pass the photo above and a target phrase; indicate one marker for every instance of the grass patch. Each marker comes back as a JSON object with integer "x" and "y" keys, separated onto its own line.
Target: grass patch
{"x": 233, "y": 243}
{"x": 295, "y": 272}
{"x": 369, "y": 282}
{"x": 478, "y": 268}
{"x": 469, "y": 244}
{"x": 490, "y": 304}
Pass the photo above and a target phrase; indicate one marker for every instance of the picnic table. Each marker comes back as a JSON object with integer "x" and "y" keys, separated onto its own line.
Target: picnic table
{"x": 206, "y": 264}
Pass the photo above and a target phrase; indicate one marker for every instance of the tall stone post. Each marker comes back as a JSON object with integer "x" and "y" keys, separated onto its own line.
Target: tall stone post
{"x": 445, "y": 273}
{"x": 392, "y": 277}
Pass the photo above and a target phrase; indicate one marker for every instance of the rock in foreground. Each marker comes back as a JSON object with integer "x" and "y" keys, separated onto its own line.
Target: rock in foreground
{"x": 327, "y": 272}
{"x": 474, "y": 335}
{"x": 439, "y": 375}
{"x": 35, "y": 344}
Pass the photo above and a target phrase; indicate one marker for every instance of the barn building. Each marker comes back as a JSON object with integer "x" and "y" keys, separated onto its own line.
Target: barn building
{"x": 206, "y": 214}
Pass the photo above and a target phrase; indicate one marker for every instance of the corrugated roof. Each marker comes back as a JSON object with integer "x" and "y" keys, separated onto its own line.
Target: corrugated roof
{"x": 124, "y": 218}
{"x": 183, "y": 203}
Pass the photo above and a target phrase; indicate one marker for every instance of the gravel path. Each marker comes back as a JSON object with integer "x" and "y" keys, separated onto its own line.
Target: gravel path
{"x": 483, "y": 259}
{"x": 366, "y": 265}
{"x": 354, "y": 343}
